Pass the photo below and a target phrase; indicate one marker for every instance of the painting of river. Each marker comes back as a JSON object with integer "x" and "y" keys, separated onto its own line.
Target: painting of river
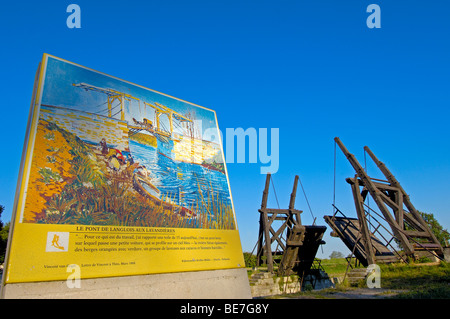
{"x": 186, "y": 184}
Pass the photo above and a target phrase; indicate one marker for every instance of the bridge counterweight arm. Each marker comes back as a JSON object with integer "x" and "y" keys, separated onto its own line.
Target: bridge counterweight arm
{"x": 376, "y": 195}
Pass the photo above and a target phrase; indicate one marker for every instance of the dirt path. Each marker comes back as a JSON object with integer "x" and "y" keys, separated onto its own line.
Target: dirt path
{"x": 352, "y": 293}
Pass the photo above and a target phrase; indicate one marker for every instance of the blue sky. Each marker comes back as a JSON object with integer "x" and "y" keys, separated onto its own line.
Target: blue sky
{"x": 310, "y": 68}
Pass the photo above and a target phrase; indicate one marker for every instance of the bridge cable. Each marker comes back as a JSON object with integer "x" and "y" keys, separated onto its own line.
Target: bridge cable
{"x": 334, "y": 180}
{"x": 368, "y": 197}
{"x": 274, "y": 191}
{"x": 304, "y": 193}
{"x": 278, "y": 204}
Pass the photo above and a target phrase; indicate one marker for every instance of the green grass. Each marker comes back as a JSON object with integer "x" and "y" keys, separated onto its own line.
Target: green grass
{"x": 416, "y": 280}
{"x": 335, "y": 267}
{"x": 420, "y": 281}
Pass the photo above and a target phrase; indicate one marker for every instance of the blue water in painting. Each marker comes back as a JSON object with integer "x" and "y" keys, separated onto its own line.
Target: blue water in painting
{"x": 181, "y": 181}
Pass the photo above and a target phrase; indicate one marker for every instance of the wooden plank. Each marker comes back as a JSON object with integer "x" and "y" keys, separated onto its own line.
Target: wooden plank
{"x": 293, "y": 194}
{"x": 291, "y": 221}
{"x": 307, "y": 252}
{"x": 389, "y": 201}
{"x": 264, "y": 230}
{"x": 425, "y": 246}
{"x": 294, "y": 243}
{"x": 276, "y": 238}
{"x": 359, "y": 203}
{"x": 299, "y": 258}
{"x": 348, "y": 230}
{"x": 413, "y": 233}
{"x": 399, "y": 214}
{"x": 413, "y": 222}
{"x": 268, "y": 248}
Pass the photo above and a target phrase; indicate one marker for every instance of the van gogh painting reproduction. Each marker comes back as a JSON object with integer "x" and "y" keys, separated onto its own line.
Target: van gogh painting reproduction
{"x": 109, "y": 152}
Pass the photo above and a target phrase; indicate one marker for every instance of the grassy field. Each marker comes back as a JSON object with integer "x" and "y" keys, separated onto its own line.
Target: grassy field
{"x": 420, "y": 280}
{"x": 336, "y": 267}
{"x": 404, "y": 281}
{"x": 417, "y": 280}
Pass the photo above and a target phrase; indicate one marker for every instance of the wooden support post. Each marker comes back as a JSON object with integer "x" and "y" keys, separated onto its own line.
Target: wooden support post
{"x": 267, "y": 234}
{"x": 359, "y": 204}
{"x": 293, "y": 194}
{"x": 399, "y": 211}
{"x": 264, "y": 242}
{"x": 266, "y": 192}
{"x": 260, "y": 248}
{"x": 292, "y": 211}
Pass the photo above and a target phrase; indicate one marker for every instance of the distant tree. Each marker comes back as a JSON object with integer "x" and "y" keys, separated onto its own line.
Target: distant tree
{"x": 441, "y": 234}
{"x": 4, "y": 229}
{"x": 3, "y": 241}
{"x": 336, "y": 254}
{"x": 250, "y": 260}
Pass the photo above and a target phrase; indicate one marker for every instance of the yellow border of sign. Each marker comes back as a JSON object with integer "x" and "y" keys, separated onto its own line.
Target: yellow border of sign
{"x": 30, "y": 144}
{"x": 232, "y": 236}
{"x": 23, "y": 164}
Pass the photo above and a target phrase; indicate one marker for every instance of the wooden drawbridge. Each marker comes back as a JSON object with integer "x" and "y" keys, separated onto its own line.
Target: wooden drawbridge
{"x": 404, "y": 223}
{"x": 349, "y": 231}
{"x": 298, "y": 243}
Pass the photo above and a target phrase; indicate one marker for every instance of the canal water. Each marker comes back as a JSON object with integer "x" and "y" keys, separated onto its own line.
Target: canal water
{"x": 185, "y": 184}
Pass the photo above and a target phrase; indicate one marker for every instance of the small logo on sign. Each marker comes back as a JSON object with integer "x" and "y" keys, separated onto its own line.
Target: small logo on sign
{"x": 57, "y": 241}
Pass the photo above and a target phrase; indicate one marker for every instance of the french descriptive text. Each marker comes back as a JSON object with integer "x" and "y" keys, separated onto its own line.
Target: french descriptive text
{"x": 95, "y": 242}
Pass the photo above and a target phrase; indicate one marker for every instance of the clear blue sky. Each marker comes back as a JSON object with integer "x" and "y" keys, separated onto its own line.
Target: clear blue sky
{"x": 310, "y": 68}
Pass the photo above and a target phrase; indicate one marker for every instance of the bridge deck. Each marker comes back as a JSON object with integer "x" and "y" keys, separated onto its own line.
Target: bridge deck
{"x": 348, "y": 229}
{"x": 301, "y": 249}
